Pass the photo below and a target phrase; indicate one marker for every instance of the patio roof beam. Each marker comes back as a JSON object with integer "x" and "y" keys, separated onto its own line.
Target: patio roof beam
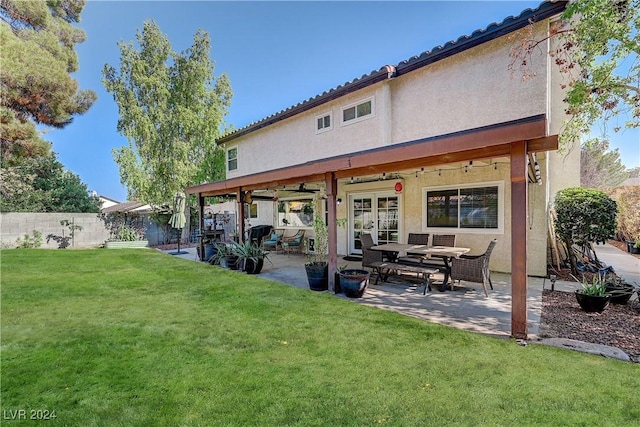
{"x": 488, "y": 141}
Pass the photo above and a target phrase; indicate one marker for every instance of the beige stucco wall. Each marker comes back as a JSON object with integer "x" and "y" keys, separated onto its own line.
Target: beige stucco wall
{"x": 413, "y": 219}
{"x": 472, "y": 89}
{"x": 469, "y": 90}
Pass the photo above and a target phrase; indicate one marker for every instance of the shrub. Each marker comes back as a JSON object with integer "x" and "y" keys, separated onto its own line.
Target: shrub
{"x": 30, "y": 242}
{"x": 584, "y": 216}
{"x": 628, "y": 200}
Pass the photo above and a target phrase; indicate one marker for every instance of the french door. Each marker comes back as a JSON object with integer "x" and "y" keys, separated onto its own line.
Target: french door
{"x": 374, "y": 213}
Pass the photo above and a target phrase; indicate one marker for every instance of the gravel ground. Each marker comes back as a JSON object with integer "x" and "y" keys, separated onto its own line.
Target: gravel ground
{"x": 617, "y": 326}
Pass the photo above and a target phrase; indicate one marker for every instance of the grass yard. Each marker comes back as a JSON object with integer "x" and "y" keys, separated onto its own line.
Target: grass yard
{"x": 139, "y": 338}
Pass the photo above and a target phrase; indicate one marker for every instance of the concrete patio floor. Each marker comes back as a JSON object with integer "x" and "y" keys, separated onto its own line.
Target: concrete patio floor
{"x": 465, "y": 307}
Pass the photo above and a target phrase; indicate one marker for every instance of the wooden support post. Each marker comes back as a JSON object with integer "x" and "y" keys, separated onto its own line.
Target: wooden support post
{"x": 240, "y": 219}
{"x": 519, "y": 240}
{"x": 201, "y": 223}
{"x": 332, "y": 189}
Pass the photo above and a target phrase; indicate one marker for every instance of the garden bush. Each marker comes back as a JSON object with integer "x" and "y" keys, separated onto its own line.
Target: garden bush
{"x": 584, "y": 216}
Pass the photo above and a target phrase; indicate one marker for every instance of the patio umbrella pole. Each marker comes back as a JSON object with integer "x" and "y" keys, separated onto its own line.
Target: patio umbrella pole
{"x": 178, "y": 219}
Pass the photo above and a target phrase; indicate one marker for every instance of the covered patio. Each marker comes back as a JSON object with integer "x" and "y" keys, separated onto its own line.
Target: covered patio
{"x": 515, "y": 141}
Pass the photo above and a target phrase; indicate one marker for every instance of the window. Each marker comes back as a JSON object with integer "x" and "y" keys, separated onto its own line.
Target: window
{"x": 251, "y": 210}
{"x": 323, "y": 123}
{"x": 232, "y": 158}
{"x": 478, "y": 207}
{"x": 358, "y": 111}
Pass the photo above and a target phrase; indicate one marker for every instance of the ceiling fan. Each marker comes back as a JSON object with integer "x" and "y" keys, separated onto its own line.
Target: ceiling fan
{"x": 302, "y": 189}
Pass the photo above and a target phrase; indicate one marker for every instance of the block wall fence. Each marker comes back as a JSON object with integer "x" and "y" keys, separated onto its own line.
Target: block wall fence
{"x": 15, "y": 225}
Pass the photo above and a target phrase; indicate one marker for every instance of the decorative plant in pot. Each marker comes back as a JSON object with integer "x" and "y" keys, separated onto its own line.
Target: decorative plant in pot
{"x": 250, "y": 256}
{"x": 354, "y": 282}
{"x": 593, "y": 297}
{"x": 633, "y": 246}
{"x": 618, "y": 288}
{"x": 224, "y": 256}
{"x": 317, "y": 267}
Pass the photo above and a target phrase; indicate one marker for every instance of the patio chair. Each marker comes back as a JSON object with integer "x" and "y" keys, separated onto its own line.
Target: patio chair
{"x": 293, "y": 243}
{"x": 473, "y": 268}
{"x": 366, "y": 240}
{"x": 418, "y": 239}
{"x": 414, "y": 239}
{"x": 369, "y": 256}
{"x": 274, "y": 240}
{"x": 444, "y": 240}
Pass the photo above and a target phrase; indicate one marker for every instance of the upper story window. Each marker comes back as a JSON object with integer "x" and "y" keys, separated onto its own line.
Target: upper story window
{"x": 478, "y": 207}
{"x": 232, "y": 158}
{"x": 324, "y": 123}
{"x": 358, "y": 111}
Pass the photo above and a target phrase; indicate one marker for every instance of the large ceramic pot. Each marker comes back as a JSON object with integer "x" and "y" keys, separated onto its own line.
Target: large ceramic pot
{"x": 209, "y": 251}
{"x": 317, "y": 275}
{"x": 593, "y": 303}
{"x": 354, "y": 282}
{"x": 631, "y": 248}
{"x": 620, "y": 294}
{"x": 253, "y": 266}
{"x": 230, "y": 262}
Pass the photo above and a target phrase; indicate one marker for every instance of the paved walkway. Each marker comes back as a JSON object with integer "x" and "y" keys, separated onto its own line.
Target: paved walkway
{"x": 465, "y": 307}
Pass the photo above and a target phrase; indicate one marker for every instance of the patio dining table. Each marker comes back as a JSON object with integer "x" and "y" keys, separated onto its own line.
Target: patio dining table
{"x": 446, "y": 253}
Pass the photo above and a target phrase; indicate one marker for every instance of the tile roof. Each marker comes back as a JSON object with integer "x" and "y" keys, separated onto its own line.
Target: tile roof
{"x": 493, "y": 31}
{"x": 125, "y": 207}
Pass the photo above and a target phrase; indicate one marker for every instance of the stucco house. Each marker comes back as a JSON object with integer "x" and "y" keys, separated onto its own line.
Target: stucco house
{"x": 450, "y": 140}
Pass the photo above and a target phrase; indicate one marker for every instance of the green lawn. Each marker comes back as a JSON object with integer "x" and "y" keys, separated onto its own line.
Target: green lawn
{"x": 139, "y": 338}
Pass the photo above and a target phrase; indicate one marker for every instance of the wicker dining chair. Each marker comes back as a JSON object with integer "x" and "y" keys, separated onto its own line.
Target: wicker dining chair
{"x": 418, "y": 239}
{"x": 444, "y": 240}
{"x": 414, "y": 239}
{"x": 473, "y": 268}
{"x": 366, "y": 240}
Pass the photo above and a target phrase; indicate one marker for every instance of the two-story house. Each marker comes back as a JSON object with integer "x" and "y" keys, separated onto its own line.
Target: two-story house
{"x": 451, "y": 140}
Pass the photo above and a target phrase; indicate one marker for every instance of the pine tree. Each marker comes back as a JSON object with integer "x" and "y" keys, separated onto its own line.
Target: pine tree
{"x": 37, "y": 40}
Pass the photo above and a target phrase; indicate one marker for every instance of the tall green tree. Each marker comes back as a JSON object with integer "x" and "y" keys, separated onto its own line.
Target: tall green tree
{"x": 600, "y": 167}
{"x": 599, "y": 54}
{"x": 37, "y": 39}
{"x": 42, "y": 184}
{"x": 172, "y": 110}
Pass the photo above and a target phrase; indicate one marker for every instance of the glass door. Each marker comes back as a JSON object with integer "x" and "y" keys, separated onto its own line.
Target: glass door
{"x": 387, "y": 213}
{"x": 361, "y": 220}
{"x": 377, "y": 214}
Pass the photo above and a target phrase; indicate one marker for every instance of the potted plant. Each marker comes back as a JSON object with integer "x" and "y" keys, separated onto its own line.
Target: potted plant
{"x": 224, "y": 256}
{"x": 354, "y": 282}
{"x": 317, "y": 267}
{"x": 250, "y": 256}
{"x": 618, "y": 288}
{"x": 633, "y": 246}
{"x": 593, "y": 297}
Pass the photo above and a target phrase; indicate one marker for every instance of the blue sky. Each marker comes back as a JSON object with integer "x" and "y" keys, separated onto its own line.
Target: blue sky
{"x": 276, "y": 54}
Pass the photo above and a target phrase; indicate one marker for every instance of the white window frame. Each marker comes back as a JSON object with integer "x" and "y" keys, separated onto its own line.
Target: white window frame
{"x": 247, "y": 210}
{"x": 322, "y": 116}
{"x": 235, "y": 147}
{"x": 360, "y": 118}
{"x": 460, "y": 230}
